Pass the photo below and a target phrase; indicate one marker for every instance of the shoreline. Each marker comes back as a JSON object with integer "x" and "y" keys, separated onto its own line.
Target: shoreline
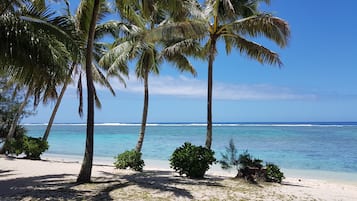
{"x": 54, "y": 179}
{"x": 216, "y": 170}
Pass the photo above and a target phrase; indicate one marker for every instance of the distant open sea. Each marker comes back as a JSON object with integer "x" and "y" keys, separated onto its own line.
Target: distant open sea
{"x": 328, "y": 146}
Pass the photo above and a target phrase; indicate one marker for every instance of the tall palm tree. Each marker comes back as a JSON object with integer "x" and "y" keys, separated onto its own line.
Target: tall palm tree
{"x": 92, "y": 8}
{"x": 34, "y": 51}
{"x": 232, "y": 21}
{"x": 142, "y": 17}
{"x": 107, "y": 28}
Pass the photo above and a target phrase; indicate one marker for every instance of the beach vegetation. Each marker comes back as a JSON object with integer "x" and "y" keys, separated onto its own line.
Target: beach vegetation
{"x": 248, "y": 167}
{"x": 130, "y": 159}
{"x": 90, "y": 11}
{"x": 235, "y": 22}
{"x": 273, "y": 173}
{"x": 34, "y": 147}
{"x": 30, "y": 146}
{"x": 77, "y": 67}
{"x": 192, "y": 161}
{"x": 15, "y": 144}
{"x": 10, "y": 101}
{"x": 36, "y": 49}
{"x": 141, "y": 18}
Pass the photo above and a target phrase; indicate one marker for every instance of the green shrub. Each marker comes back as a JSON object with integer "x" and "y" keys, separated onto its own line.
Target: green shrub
{"x": 247, "y": 160}
{"x": 129, "y": 159}
{"x": 30, "y": 146}
{"x": 14, "y": 146}
{"x": 248, "y": 167}
{"x": 273, "y": 173}
{"x": 34, "y": 147}
{"x": 230, "y": 159}
{"x": 191, "y": 160}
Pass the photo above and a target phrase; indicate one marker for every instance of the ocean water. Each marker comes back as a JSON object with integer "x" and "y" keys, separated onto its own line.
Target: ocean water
{"x": 305, "y": 146}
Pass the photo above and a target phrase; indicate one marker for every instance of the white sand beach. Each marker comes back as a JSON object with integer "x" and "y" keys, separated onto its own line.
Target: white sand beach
{"x": 54, "y": 179}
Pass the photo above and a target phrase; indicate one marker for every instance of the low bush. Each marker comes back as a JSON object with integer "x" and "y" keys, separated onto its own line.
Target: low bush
{"x": 30, "y": 146}
{"x": 14, "y": 146}
{"x": 130, "y": 159}
{"x": 192, "y": 161}
{"x": 248, "y": 167}
{"x": 273, "y": 173}
{"x": 34, "y": 147}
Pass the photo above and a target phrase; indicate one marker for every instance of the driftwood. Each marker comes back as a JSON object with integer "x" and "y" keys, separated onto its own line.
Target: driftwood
{"x": 251, "y": 174}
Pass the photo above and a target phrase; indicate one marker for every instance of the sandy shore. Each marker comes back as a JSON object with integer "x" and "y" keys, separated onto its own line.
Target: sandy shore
{"x": 54, "y": 179}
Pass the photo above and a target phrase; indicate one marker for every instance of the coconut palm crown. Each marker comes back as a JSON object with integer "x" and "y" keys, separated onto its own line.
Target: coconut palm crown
{"x": 236, "y": 22}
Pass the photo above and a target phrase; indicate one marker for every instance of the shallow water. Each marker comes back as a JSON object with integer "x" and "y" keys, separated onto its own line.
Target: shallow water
{"x": 305, "y": 146}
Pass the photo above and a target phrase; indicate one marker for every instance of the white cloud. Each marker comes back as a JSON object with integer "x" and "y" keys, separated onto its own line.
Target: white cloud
{"x": 183, "y": 86}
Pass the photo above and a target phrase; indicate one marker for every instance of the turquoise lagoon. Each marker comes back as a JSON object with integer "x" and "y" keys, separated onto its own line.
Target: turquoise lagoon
{"x": 302, "y": 146}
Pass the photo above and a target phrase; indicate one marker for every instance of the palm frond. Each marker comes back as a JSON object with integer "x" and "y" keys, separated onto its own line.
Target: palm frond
{"x": 99, "y": 77}
{"x": 271, "y": 27}
{"x": 255, "y": 51}
{"x": 177, "y": 31}
{"x": 116, "y": 58}
{"x": 128, "y": 10}
{"x": 98, "y": 104}
{"x": 188, "y": 47}
{"x": 84, "y": 14}
{"x": 181, "y": 63}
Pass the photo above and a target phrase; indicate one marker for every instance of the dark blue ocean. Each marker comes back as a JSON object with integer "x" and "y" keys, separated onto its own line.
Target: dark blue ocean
{"x": 307, "y": 146}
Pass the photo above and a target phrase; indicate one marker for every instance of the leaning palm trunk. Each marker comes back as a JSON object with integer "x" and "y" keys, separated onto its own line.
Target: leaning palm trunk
{"x": 139, "y": 145}
{"x": 86, "y": 169}
{"x": 54, "y": 112}
{"x": 209, "y": 94}
{"x": 15, "y": 121}
{"x": 17, "y": 116}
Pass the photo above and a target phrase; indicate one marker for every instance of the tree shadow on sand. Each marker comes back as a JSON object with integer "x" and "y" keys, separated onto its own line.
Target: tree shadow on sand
{"x": 56, "y": 187}
{"x": 64, "y": 187}
{"x": 4, "y": 173}
{"x": 163, "y": 181}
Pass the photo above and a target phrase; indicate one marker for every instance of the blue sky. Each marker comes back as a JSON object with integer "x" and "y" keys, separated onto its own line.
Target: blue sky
{"x": 317, "y": 82}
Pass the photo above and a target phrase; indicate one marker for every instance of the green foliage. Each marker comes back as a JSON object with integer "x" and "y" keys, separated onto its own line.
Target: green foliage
{"x": 229, "y": 158}
{"x": 13, "y": 145}
{"x": 10, "y": 101}
{"x": 273, "y": 173}
{"x": 129, "y": 159}
{"x": 30, "y": 146}
{"x": 191, "y": 160}
{"x": 248, "y": 167}
{"x": 34, "y": 147}
{"x": 247, "y": 160}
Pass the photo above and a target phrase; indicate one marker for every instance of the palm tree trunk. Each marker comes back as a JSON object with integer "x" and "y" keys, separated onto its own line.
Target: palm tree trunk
{"x": 17, "y": 116}
{"x": 139, "y": 145}
{"x": 86, "y": 169}
{"x": 54, "y": 112}
{"x": 209, "y": 93}
{"x": 16, "y": 119}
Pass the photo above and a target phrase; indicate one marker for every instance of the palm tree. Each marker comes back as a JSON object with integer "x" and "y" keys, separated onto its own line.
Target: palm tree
{"x": 109, "y": 27}
{"x": 92, "y": 8}
{"x": 34, "y": 51}
{"x": 142, "y": 17}
{"x": 234, "y": 22}
{"x": 231, "y": 21}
